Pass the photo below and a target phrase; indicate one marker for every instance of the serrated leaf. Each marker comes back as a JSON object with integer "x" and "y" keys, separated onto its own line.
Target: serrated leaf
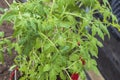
{"x": 17, "y": 48}
{"x": 94, "y": 53}
{"x": 61, "y": 41}
{"x": 47, "y": 67}
{"x": 100, "y": 34}
{"x": 82, "y": 75}
{"x": 62, "y": 75}
{"x": 99, "y": 43}
{"x": 94, "y": 31}
{"x": 65, "y": 24}
{"x": 64, "y": 49}
{"x": 74, "y": 57}
{"x": 104, "y": 29}
{"x": 93, "y": 50}
{"x": 8, "y": 16}
{"x": 38, "y": 43}
{"x": 52, "y": 75}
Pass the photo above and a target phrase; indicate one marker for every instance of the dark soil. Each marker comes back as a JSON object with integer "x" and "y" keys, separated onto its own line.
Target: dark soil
{"x": 7, "y": 28}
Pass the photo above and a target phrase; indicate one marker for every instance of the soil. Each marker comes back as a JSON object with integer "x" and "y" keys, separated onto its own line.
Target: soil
{"x": 8, "y": 61}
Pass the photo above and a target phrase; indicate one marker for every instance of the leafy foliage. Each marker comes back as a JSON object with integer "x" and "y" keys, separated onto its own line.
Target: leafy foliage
{"x": 52, "y": 36}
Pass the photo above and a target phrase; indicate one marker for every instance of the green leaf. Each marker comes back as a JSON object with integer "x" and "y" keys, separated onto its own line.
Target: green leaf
{"x": 1, "y": 57}
{"x": 93, "y": 47}
{"x": 99, "y": 44}
{"x": 104, "y": 29}
{"x": 93, "y": 53}
{"x": 53, "y": 74}
{"x": 17, "y": 47}
{"x": 1, "y": 34}
{"x": 61, "y": 40}
{"x": 62, "y": 75}
{"x": 47, "y": 67}
{"x": 94, "y": 30}
{"x": 9, "y": 15}
{"x": 64, "y": 24}
{"x": 74, "y": 57}
{"x": 38, "y": 43}
{"x": 100, "y": 33}
{"x": 82, "y": 75}
{"x": 12, "y": 67}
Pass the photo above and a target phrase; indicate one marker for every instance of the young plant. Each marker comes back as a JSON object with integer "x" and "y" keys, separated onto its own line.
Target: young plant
{"x": 56, "y": 38}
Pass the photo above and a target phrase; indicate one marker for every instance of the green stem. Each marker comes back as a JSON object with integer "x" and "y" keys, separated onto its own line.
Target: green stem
{"x": 71, "y": 65}
{"x": 37, "y": 57}
{"x": 77, "y": 15}
{"x": 53, "y": 3}
{"x": 67, "y": 74}
{"x": 49, "y": 41}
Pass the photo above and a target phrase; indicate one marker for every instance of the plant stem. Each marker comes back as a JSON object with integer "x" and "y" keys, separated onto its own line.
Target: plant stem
{"x": 49, "y": 41}
{"x": 67, "y": 74}
{"x": 70, "y": 65}
{"x": 53, "y": 3}
{"x": 7, "y": 3}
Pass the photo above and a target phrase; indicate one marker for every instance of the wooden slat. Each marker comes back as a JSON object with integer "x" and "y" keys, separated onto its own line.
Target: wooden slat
{"x": 95, "y": 76}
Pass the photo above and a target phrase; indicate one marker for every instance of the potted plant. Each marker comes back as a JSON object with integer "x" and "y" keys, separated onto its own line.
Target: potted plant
{"x": 56, "y": 38}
